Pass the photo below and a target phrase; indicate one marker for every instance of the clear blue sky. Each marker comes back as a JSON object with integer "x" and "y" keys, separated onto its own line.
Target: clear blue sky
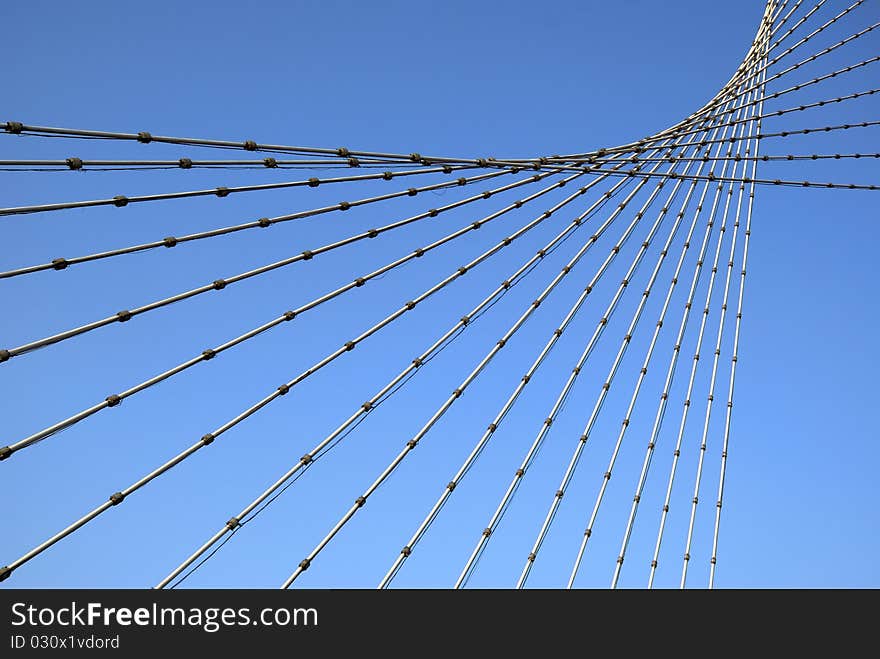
{"x": 460, "y": 78}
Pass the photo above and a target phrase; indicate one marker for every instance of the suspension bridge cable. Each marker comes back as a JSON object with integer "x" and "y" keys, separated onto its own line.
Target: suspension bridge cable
{"x": 221, "y": 284}
{"x": 712, "y": 380}
{"x": 76, "y": 164}
{"x": 62, "y": 263}
{"x": 762, "y": 181}
{"x": 808, "y": 106}
{"x": 791, "y": 133}
{"x": 120, "y": 496}
{"x": 763, "y": 158}
{"x": 123, "y": 201}
{"x": 733, "y": 362}
{"x": 144, "y": 137}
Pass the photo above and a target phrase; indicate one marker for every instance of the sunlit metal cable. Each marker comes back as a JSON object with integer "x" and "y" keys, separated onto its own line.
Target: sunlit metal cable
{"x": 713, "y": 377}
{"x": 123, "y": 201}
{"x": 733, "y": 362}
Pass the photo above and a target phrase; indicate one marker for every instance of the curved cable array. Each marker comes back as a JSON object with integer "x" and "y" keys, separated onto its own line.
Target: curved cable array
{"x": 697, "y": 180}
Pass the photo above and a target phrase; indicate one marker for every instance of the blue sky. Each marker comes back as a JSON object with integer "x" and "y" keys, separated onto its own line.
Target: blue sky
{"x": 501, "y": 79}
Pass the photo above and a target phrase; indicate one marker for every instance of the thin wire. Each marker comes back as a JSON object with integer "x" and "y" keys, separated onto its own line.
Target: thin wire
{"x": 712, "y": 379}
{"x": 223, "y": 283}
{"x": 733, "y": 362}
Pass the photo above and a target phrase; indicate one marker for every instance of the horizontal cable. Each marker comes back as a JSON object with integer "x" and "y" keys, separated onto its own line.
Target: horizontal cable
{"x": 121, "y": 201}
{"x": 802, "y": 107}
{"x": 737, "y": 158}
{"x": 144, "y": 137}
{"x": 221, "y": 284}
{"x": 79, "y": 164}
{"x": 62, "y": 263}
{"x": 784, "y": 133}
{"x": 763, "y": 181}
